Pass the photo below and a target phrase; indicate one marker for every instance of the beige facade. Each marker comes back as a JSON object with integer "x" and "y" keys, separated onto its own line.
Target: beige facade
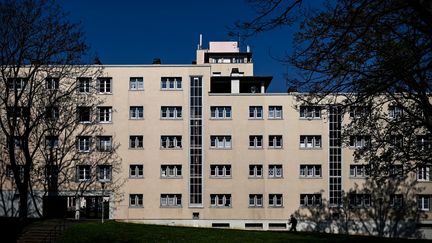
{"x": 262, "y": 153}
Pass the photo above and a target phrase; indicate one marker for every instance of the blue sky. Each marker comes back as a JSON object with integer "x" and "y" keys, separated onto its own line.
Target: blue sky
{"x": 136, "y": 31}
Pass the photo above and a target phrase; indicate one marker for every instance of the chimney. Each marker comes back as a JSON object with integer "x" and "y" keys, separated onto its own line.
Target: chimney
{"x": 156, "y": 60}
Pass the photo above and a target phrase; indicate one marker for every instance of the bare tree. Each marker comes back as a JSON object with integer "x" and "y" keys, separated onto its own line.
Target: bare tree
{"x": 41, "y": 58}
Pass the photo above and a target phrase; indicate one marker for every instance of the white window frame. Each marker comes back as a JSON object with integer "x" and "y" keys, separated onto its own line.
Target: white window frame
{"x": 136, "y": 83}
{"x": 275, "y": 141}
{"x": 220, "y": 171}
{"x": 424, "y": 173}
{"x": 104, "y": 173}
{"x": 396, "y": 200}
{"x": 256, "y": 112}
{"x": 171, "y": 171}
{"x": 256, "y": 171}
{"x": 220, "y": 112}
{"x": 357, "y": 112}
{"x": 171, "y": 112}
{"x": 424, "y": 202}
{"x": 136, "y": 142}
{"x": 360, "y": 200}
{"x": 83, "y": 173}
{"x": 310, "y": 171}
{"x": 171, "y": 142}
{"x": 104, "y": 114}
{"x": 359, "y": 170}
{"x": 52, "y": 112}
{"x": 275, "y": 112}
{"x": 359, "y": 141}
{"x": 256, "y": 200}
{"x": 310, "y": 142}
{"x": 171, "y": 83}
{"x": 136, "y": 112}
{"x": 104, "y": 85}
{"x": 17, "y": 84}
{"x": 275, "y": 200}
{"x": 136, "y": 171}
{"x": 275, "y": 171}
{"x": 136, "y": 200}
{"x": 84, "y": 143}
{"x": 52, "y": 83}
{"x": 310, "y": 200}
{"x": 395, "y": 111}
{"x": 84, "y": 84}
{"x": 220, "y": 142}
{"x": 104, "y": 143}
{"x": 171, "y": 200}
{"x": 221, "y": 200}
{"x": 310, "y": 112}
{"x": 255, "y": 141}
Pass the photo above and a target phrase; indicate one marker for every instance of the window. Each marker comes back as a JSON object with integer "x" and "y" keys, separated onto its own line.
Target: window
{"x": 52, "y": 83}
{"x": 361, "y": 200}
{"x": 18, "y": 112}
{"x": 310, "y": 112}
{"x": 255, "y": 171}
{"x": 423, "y": 202}
{"x": 136, "y": 200}
{"x": 136, "y": 171}
{"x": 359, "y": 141}
{"x": 220, "y": 142}
{"x": 255, "y": 200}
{"x": 83, "y": 172}
{"x": 423, "y": 173}
{"x": 275, "y": 171}
{"x": 171, "y": 171}
{"x": 171, "y": 142}
{"x": 396, "y": 171}
{"x": 171, "y": 83}
{"x": 275, "y": 200}
{"x": 17, "y": 84}
{"x": 220, "y": 112}
{"x": 424, "y": 142}
{"x": 396, "y": 141}
{"x": 359, "y": 111}
{"x": 255, "y": 141}
{"x": 136, "y": 112}
{"x": 396, "y": 200}
{"x": 84, "y": 85}
{"x": 83, "y": 143}
{"x": 395, "y": 111}
{"x": 310, "y": 171}
{"x": 104, "y": 114}
{"x": 275, "y": 141}
{"x": 10, "y": 174}
{"x": 220, "y": 200}
{"x": 104, "y": 143}
{"x": 310, "y": 200}
{"x": 220, "y": 171}
{"x": 104, "y": 85}
{"x": 171, "y": 200}
{"x": 52, "y": 113}
{"x": 136, "y": 83}
{"x": 255, "y": 112}
{"x": 51, "y": 142}
{"x": 19, "y": 142}
{"x": 84, "y": 114}
{"x": 310, "y": 141}
{"x": 359, "y": 171}
{"x": 171, "y": 112}
{"x": 136, "y": 142}
{"x": 104, "y": 173}
{"x": 275, "y": 112}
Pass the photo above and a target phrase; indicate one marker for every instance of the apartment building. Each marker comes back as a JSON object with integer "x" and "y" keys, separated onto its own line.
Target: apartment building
{"x": 204, "y": 144}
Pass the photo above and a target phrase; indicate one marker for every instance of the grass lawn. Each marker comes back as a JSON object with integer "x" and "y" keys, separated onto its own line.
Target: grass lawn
{"x": 126, "y": 232}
